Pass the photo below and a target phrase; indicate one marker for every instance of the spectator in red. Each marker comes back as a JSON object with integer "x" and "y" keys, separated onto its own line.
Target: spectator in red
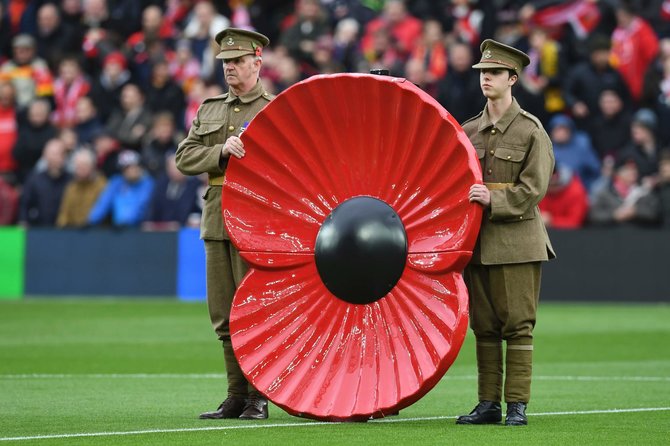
{"x": 566, "y": 204}
{"x": 29, "y": 73}
{"x": 106, "y": 88}
{"x": 139, "y": 44}
{"x": 43, "y": 190}
{"x": 184, "y": 67}
{"x": 69, "y": 87}
{"x": 403, "y": 27}
{"x": 383, "y": 54}
{"x": 34, "y": 132}
{"x": 300, "y": 38}
{"x": 8, "y": 129}
{"x": 107, "y": 150}
{"x": 634, "y": 46}
{"x": 467, "y": 22}
{"x": 432, "y": 52}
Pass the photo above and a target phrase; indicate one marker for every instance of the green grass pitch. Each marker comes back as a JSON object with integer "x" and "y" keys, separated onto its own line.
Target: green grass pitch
{"x": 138, "y": 372}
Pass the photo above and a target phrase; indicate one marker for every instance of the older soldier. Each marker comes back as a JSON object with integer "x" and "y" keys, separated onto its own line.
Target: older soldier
{"x": 212, "y": 140}
{"x": 504, "y": 275}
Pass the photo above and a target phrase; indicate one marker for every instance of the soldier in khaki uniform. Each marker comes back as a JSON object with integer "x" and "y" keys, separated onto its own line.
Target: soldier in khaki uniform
{"x": 503, "y": 277}
{"x": 212, "y": 139}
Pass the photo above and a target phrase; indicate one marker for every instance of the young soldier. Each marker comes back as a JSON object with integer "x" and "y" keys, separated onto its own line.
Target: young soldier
{"x": 212, "y": 139}
{"x": 503, "y": 277}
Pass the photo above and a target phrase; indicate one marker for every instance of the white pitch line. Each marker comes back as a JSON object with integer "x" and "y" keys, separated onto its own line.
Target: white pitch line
{"x": 312, "y": 423}
{"x": 221, "y": 375}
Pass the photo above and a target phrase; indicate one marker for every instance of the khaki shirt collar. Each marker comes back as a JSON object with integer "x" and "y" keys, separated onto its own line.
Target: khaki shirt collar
{"x": 251, "y": 96}
{"x": 504, "y": 122}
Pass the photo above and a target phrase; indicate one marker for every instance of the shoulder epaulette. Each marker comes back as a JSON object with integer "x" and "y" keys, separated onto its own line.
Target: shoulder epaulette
{"x": 216, "y": 98}
{"x": 533, "y": 118}
{"x": 477, "y": 116}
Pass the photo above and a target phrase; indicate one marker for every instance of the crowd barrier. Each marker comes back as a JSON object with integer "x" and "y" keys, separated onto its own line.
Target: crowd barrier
{"x": 600, "y": 264}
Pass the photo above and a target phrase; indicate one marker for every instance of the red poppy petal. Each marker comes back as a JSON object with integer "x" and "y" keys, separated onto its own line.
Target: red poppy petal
{"x": 317, "y": 356}
{"x": 334, "y": 137}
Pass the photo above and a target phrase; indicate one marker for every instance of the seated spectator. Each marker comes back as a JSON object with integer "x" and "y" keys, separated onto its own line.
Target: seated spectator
{"x": 657, "y": 90}
{"x": 643, "y": 147}
{"x": 184, "y": 67}
{"x": 107, "y": 149}
{"x": 663, "y": 187}
{"x": 125, "y": 198}
{"x": 404, "y": 29}
{"x": 69, "y": 86}
{"x": 162, "y": 140}
{"x": 566, "y": 204}
{"x": 54, "y": 39}
{"x": 301, "y": 37}
{"x": 175, "y": 199}
{"x": 29, "y": 73}
{"x": 88, "y": 123}
{"x": 200, "y": 29}
{"x": 34, "y": 132}
{"x": 106, "y": 88}
{"x": 139, "y": 43}
{"x": 81, "y": 192}
{"x": 459, "y": 91}
{"x": 345, "y": 44}
{"x": 9, "y": 201}
{"x": 129, "y": 124}
{"x": 624, "y": 199}
{"x": 8, "y": 129}
{"x": 163, "y": 94}
{"x": 611, "y": 125}
{"x": 43, "y": 190}
{"x": 585, "y": 82}
{"x": 573, "y": 149}
{"x": 432, "y": 53}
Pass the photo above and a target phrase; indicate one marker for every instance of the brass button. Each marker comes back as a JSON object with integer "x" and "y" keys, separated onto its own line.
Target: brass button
{"x": 493, "y": 131}
{"x": 231, "y": 128}
{"x": 489, "y": 171}
{"x": 491, "y": 152}
{"x": 509, "y": 157}
{"x": 521, "y": 218}
{"x": 236, "y": 109}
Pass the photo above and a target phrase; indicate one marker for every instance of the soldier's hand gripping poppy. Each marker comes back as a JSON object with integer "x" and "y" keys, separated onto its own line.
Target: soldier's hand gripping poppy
{"x": 351, "y": 207}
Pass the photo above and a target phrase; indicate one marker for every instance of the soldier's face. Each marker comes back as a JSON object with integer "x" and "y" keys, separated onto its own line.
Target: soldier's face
{"x": 495, "y": 82}
{"x": 242, "y": 72}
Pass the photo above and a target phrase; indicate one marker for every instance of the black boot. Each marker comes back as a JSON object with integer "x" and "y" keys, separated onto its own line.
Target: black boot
{"x": 486, "y": 412}
{"x": 516, "y": 414}
{"x": 232, "y": 407}
{"x": 256, "y": 408}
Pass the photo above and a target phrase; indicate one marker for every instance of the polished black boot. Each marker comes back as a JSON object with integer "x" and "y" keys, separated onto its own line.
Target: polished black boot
{"x": 256, "y": 408}
{"x": 486, "y": 412}
{"x": 516, "y": 414}
{"x": 232, "y": 407}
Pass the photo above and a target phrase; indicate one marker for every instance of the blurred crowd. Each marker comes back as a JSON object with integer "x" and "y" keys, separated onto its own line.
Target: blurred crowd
{"x": 95, "y": 95}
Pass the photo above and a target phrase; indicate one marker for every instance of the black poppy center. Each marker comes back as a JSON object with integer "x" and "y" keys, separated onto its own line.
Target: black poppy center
{"x": 361, "y": 250}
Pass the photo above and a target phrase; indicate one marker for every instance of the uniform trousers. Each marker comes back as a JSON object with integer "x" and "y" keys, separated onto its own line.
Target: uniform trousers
{"x": 225, "y": 270}
{"x": 503, "y": 306}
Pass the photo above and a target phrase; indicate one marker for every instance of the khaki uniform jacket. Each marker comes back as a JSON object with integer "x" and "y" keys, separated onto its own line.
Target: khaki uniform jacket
{"x": 217, "y": 119}
{"x": 516, "y": 150}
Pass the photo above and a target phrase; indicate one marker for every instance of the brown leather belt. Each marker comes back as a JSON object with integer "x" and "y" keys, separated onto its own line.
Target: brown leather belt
{"x": 216, "y": 180}
{"x": 498, "y": 186}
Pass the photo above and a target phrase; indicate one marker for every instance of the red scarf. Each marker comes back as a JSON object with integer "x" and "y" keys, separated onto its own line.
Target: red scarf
{"x": 66, "y": 97}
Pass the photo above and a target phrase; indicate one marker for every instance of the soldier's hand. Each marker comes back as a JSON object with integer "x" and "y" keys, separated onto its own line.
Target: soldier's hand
{"x": 233, "y": 146}
{"x": 480, "y": 194}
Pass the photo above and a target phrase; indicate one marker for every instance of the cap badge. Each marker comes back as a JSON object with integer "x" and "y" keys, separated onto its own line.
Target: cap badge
{"x": 230, "y": 41}
{"x": 487, "y": 54}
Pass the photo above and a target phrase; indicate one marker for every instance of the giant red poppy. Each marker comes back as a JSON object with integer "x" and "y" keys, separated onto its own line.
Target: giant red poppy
{"x": 351, "y": 208}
